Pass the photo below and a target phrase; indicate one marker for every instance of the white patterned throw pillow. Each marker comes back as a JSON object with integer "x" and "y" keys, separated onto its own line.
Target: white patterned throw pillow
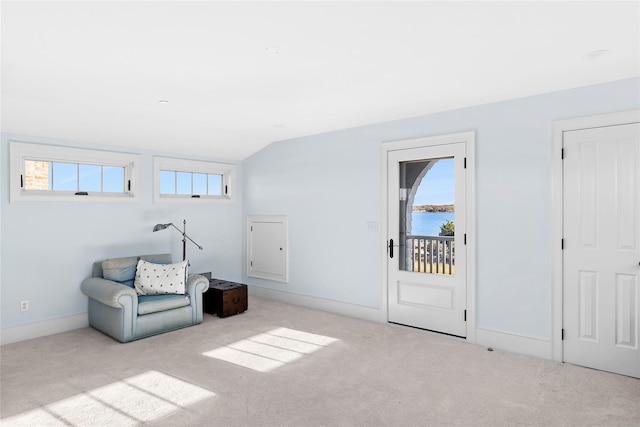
{"x": 158, "y": 279}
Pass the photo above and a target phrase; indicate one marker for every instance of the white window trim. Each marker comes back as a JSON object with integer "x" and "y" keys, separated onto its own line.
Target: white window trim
{"x": 228, "y": 172}
{"x": 21, "y": 151}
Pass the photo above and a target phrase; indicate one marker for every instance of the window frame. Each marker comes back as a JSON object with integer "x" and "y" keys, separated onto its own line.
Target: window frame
{"x": 226, "y": 170}
{"x": 19, "y": 152}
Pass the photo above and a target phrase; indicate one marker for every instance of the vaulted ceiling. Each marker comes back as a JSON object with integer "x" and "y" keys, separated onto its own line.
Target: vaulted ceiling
{"x": 224, "y": 79}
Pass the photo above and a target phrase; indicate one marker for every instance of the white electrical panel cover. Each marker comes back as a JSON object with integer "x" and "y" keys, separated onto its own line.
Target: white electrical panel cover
{"x": 267, "y": 247}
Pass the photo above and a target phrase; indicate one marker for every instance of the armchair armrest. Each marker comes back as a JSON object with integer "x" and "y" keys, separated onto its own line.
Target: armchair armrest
{"x": 106, "y": 291}
{"x": 197, "y": 283}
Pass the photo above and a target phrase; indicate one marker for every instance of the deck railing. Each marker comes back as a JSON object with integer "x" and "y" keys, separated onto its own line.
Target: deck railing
{"x": 431, "y": 254}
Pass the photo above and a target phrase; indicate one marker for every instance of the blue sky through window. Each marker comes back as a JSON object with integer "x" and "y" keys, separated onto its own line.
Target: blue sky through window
{"x": 215, "y": 185}
{"x": 167, "y": 182}
{"x": 437, "y": 187}
{"x": 183, "y": 180}
{"x": 65, "y": 177}
{"x": 90, "y": 178}
{"x": 113, "y": 179}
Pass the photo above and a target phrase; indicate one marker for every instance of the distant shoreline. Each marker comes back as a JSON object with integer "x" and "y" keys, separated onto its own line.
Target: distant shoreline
{"x": 434, "y": 208}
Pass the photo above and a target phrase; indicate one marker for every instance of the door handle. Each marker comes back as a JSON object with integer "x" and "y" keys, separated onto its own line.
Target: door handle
{"x": 390, "y": 248}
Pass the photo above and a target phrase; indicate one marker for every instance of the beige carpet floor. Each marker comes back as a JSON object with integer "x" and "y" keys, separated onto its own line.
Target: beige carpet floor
{"x": 282, "y": 365}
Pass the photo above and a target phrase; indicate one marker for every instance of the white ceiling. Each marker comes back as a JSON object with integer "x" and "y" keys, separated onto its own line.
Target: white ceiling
{"x": 240, "y": 75}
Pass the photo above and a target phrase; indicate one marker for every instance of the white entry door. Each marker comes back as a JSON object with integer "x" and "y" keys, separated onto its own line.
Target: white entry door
{"x": 601, "y": 223}
{"x": 426, "y": 284}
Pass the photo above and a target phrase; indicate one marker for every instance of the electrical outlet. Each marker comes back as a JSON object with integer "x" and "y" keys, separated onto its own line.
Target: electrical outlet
{"x": 24, "y": 305}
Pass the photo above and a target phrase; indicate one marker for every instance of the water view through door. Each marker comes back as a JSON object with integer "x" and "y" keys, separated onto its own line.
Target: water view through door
{"x": 426, "y": 248}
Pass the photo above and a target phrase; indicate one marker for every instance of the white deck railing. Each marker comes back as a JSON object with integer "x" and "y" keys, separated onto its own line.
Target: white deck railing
{"x": 431, "y": 254}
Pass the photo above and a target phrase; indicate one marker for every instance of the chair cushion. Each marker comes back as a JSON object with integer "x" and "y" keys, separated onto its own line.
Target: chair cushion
{"x": 158, "y": 279}
{"x": 148, "y": 304}
{"x": 123, "y": 270}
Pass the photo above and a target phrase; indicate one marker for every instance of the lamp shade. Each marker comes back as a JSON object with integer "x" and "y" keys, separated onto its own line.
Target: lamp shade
{"x": 159, "y": 227}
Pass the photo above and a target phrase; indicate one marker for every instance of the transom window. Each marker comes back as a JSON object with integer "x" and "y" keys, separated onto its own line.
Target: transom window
{"x": 177, "y": 180}
{"x": 190, "y": 183}
{"x": 77, "y": 177}
{"x": 46, "y": 172}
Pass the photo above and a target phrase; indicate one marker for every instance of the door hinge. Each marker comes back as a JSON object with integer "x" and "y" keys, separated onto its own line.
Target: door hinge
{"x": 251, "y": 228}
{"x": 465, "y": 162}
{"x": 226, "y": 189}
{"x": 251, "y": 264}
{"x": 465, "y": 315}
{"x": 562, "y": 244}
{"x": 129, "y": 185}
{"x": 562, "y": 153}
{"x": 465, "y": 238}
{"x": 562, "y": 334}
{"x": 21, "y": 181}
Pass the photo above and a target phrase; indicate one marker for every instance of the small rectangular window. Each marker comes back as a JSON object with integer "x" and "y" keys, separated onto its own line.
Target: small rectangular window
{"x": 189, "y": 183}
{"x": 178, "y": 180}
{"x": 61, "y": 176}
{"x": 45, "y": 172}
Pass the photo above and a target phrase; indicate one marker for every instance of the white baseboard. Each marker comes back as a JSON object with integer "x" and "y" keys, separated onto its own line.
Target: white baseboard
{"x": 529, "y": 346}
{"x": 345, "y": 309}
{"x": 41, "y": 329}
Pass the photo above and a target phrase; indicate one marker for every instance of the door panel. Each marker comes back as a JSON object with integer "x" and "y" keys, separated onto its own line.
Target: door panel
{"x": 427, "y": 273}
{"x": 601, "y": 185}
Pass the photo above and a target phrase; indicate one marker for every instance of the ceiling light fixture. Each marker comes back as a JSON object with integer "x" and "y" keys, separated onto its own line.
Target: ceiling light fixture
{"x": 163, "y": 101}
{"x": 599, "y": 53}
{"x": 272, "y": 50}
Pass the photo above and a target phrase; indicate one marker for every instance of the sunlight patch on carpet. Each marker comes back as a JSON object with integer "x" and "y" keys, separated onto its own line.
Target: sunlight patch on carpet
{"x": 130, "y": 402}
{"x": 270, "y": 350}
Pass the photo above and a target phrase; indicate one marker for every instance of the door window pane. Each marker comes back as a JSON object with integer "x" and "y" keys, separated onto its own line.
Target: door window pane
{"x": 427, "y": 216}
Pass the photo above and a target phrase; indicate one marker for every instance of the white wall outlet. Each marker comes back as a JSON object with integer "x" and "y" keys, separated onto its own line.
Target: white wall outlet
{"x": 24, "y": 305}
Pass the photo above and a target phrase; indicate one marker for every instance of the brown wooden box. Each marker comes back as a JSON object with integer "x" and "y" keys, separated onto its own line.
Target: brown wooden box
{"x": 225, "y": 298}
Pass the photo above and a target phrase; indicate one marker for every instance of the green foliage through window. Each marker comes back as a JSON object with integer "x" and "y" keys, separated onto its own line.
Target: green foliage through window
{"x": 447, "y": 228}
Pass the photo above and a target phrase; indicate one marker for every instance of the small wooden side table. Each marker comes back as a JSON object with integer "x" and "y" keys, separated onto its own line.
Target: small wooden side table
{"x": 225, "y": 298}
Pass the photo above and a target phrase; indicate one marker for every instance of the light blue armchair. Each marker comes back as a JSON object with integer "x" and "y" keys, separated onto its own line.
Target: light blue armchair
{"x": 117, "y": 310}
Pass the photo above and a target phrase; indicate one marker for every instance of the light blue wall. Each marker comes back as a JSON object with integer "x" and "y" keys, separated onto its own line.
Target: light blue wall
{"x": 329, "y": 186}
{"x": 49, "y": 248}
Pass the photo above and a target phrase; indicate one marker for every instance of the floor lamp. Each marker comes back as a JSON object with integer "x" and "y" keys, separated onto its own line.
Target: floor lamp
{"x": 159, "y": 227}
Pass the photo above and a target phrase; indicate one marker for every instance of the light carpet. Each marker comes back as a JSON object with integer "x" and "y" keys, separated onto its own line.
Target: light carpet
{"x": 283, "y": 365}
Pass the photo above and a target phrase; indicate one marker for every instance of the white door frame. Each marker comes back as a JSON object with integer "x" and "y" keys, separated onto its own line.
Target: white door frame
{"x": 469, "y": 138}
{"x": 557, "y": 197}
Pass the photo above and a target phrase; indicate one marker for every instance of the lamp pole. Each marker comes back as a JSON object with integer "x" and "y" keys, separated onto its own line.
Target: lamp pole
{"x": 184, "y": 239}
{"x": 159, "y": 227}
